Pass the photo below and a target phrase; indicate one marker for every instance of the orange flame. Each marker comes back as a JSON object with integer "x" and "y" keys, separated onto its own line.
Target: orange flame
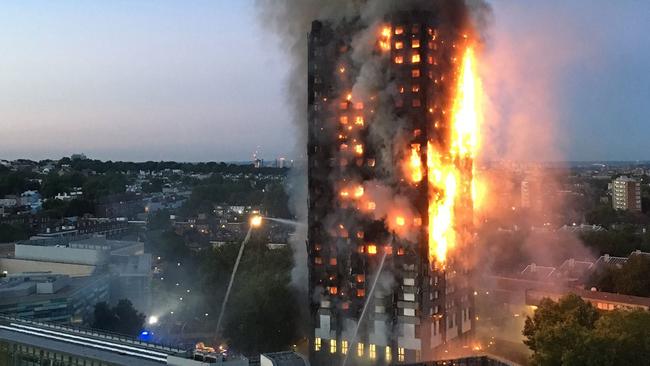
{"x": 451, "y": 172}
{"x": 415, "y": 164}
{"x": 384, "y": 40}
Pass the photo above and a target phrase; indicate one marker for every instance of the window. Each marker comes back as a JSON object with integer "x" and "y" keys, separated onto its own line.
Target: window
{"x": 360, "y": 350}
{"x": 415, "y": 58}
{"x": 361, "y": 292}
{"x": 415, "y": 73}
{"x": 344, "y": 120}
{"x": 344, "y": 347}
{"x": 358, "y": 105}
{"x": 318, "y": 260}
{"x": 388, "y": 356}
{"x": 399, "y": 59}
{"x": 409, "y": 312}
{"x": 332, "y": 261}
{"x": 317, "y": 344}
{"x": 415, "y": 43}
{"x": 416, "y": 103}
{"x": 361, "y": 278}
{"x": 333, "y": 290}
{"x": 399, "y": 29}
{"x": 333, "y": 346}
{"x": 372, "y": 351}
{"x": 399, "y": 45}
{"x": 400, "y": 354}
{"x": 415, "y": 88}
{"x": 358, "y": 120}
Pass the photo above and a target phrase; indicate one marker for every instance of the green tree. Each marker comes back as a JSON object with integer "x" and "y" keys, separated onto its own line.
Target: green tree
{"x": 633, "y": 278}
{"x": 10, "y": 233}
{"x": 558, "y": 332}
{"x": 262, "y": 313}
{"x": 122, "y": 318}
{"x": 571, "y": 332}
{"x": 154, "y": 185}
{"x": 620, "y": 338}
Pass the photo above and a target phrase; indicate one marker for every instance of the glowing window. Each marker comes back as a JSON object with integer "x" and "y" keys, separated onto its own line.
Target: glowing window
{"x": 360, "y": 350}
{"x": 344, "y": 347}
{"x": 318, "y": 260}
{"x": 415, "y": 43}
{"x": 358, "y": 120}
{"x": 333, "y": 346}
{"x": 317, "y": 344}
{"x": 344, "y": 120}
{"x": 358, "y": 105}
{"x": 372, "y": 249}
{"x": 416, "y": 103}
{"x": 343, "y": 105}
{"x": 361, "y": 292}
{"x": 371, "y": 162}
{"x": 415, "y": 73}
{"x": 332, "y": 261}
{"x": 415, "y": 88}
{"x": 388, "y": 355}
{"x": 415, "y": 58}
{"x": 317, "y": 247}
{"x": 372, "y": 206}
{"x": 360, "y": 278}
{"x": 399, "y": 29}
{"x": 333, "y": 290}
{"x": 399, "y": 59}
{"x": 399, "y": 45}
{"x": 400, "y": 354}
{"x": 388, "y": 250}
{"x": 372, "y": 351}
{"x": 430, "y": 60}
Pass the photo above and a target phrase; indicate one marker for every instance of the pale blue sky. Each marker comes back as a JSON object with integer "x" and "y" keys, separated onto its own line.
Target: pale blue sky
{"x": 199, "y": 80}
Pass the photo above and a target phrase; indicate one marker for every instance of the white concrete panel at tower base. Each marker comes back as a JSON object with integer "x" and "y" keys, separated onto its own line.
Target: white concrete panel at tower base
{"x": 407, "y": 338}
{"x": 379, "y": 334}
{"x": 452, "y": 332}
{"x": 409, "y": 343}
{"x": 324, "y": 330}
{"x": 466, "y": 322}
{"x": 436, "y": 339}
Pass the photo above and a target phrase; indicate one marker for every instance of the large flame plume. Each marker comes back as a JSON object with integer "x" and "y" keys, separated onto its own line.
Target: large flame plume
{"x": 451, "y": 171}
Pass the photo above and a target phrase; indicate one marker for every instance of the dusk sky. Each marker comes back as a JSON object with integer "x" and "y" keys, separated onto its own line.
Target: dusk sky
{"x": 203, "y": 80}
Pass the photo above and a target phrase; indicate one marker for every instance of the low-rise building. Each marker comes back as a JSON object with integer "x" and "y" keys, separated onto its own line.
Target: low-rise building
{"x": 52, "y": 298}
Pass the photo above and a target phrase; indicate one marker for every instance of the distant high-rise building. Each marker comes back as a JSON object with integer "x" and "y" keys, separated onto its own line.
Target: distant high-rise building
{"x": 626, "y": 194}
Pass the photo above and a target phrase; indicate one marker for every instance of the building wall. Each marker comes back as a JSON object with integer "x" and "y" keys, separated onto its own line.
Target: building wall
{"x": 626, "y": 194}
{"x": 61, "y": 254}
{"x": 12, "y": 265}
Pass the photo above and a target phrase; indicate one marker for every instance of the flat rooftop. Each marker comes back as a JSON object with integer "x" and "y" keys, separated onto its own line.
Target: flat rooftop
{"x": 105, "y": 347}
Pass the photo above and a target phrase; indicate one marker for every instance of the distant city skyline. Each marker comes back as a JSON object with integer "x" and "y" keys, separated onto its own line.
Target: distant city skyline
{"x": 204, "y": 81}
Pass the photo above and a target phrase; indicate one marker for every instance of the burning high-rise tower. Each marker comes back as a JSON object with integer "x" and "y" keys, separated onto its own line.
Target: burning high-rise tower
{"x": 393, "y": 122}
